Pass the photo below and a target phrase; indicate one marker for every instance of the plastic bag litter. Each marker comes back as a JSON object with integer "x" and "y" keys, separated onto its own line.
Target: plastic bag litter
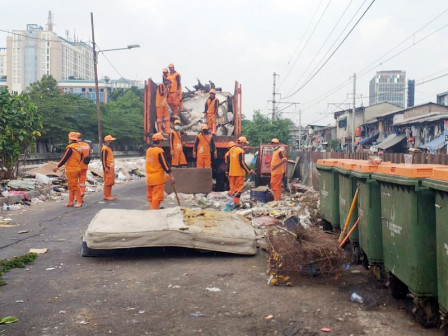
{"x": 43, "y": 179}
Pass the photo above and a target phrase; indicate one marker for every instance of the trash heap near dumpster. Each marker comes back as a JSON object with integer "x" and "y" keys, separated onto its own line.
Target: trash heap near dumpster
{"x": 402, "y": 236}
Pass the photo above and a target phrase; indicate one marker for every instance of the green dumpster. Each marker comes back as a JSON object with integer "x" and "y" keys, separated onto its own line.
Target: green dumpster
{"x": 369, "y": 211}
{"x": 329, "y": 193}
{"x": 409, "y": 238}
{"x": 440, "y": 188}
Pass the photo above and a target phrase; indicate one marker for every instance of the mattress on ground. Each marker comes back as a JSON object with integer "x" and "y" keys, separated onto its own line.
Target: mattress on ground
{"x": 200, "y": 229}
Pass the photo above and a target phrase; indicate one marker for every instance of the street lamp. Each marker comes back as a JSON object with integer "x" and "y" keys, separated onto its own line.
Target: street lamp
{"x": 97, "y": 90}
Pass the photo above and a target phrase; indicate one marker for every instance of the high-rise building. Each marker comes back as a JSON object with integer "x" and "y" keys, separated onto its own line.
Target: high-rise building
{"x": 388, "y": 86}
{"x": 35, "y": 52}
{"x": 3, "y": 63}
{"x": 411, "y": 93}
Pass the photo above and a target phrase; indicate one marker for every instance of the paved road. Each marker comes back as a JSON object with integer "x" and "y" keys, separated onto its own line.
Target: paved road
{"x": 156, "y": 291}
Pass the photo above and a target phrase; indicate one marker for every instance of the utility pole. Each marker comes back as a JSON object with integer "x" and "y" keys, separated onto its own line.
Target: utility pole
{"x": 273, "y": 98}
{"x": 300, "y": 127}
{"x": 97, "y": 90}
{"x": 354, "y": 112}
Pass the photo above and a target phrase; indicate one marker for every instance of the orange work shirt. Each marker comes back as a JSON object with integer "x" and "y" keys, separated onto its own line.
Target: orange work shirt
{"x": 237, "y": 166}
{"x": 156, "y": 166}
{"x": 85, "y": 149}
{"x": 72, "y": 158}
{"x": 277, "y": 157}
{"x": 161, "y": 95}
{"x": 174, "y": 78}
{"x": 212, "y": 106}
{"x": 175, "y": 140}
{"x": 204, "y": 144}
{"x": 107, "y": 157}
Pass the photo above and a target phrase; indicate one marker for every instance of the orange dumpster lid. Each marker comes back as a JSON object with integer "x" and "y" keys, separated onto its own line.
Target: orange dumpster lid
{"x": 366, "y": 167}
{"x": 387, "y": 168}
{"x": 328, "y": 162}
{"x": 440, "y": 173}
{"x": 350, "y": 164}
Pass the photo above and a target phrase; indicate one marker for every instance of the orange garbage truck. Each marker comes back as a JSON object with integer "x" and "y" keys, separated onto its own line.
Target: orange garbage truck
{"x": 192, "y": 116}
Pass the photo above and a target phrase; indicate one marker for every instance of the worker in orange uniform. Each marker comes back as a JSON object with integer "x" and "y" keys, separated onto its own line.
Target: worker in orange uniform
{"x": 163, "y": 115}
{"x": 237, "y": 169}
{"x": 107, "y": 158}
{"x": 175, "y": 91}
{"x": 72, "y": 159}
{"x": 176, "y": 148}
{"x": 230, "y": 145}
{"x": 277, "y": 169}
{"x": 157, "y": 171}
{"x": 211, "y": 110}
{"x": 85, "y": 149}
{"x": 204, "y": 147}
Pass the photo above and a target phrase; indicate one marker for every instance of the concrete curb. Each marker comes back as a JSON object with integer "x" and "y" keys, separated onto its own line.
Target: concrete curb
{"x": 31, "y": 193}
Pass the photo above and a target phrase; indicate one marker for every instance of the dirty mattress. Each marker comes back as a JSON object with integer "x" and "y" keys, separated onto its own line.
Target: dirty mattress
{"x": 191, "y": 228}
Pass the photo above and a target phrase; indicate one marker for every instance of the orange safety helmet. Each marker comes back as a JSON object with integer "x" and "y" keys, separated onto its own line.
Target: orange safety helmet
{"x": 212, "y": 91}
{"x": 275, "y": 140}
{"x": 177, "y": 122}
{"x": 171, "y": 65}
{"x": 231, "y": 144}
{"x": 73, "y": 136}
{"x": 204, "y": 127}
{"x": 108, "y": 138}
{"x": 242, "y": 139}
{"x": 164, "y": 70}
{"x": 158, "y": 136}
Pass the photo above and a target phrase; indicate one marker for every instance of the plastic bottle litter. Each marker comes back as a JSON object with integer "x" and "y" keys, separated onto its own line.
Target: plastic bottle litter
{"x": 7, "y": 207}
{"x": 355, "y": 297}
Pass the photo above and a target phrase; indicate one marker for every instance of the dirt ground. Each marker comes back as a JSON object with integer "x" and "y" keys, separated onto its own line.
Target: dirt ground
{"x": 173, "y": 291}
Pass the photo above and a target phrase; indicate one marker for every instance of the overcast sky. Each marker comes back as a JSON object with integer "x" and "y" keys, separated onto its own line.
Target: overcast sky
{"x": 248, "y": 41}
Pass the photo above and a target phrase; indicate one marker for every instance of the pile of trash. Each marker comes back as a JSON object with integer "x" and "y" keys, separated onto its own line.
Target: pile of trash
{"x": 192, "y": 115}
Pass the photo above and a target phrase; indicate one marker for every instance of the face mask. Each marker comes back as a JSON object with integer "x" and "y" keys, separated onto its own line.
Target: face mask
{"x": 205, "y": 132}
{"x": 276, "y": 147}
{"x": 177, "y": 127}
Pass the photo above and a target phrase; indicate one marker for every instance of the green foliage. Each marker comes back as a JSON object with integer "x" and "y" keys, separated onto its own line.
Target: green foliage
{"x": 262, "y": 129}
{"x": 16, "y": 262}
{"x": 20, "y": 125}
{"x": 333, "y": 144}
{"x": 123, "y": 117}
{"x": 8, "y": 319}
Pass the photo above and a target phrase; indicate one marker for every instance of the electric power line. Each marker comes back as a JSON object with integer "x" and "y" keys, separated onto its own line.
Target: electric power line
{"x": 337, "y": 48}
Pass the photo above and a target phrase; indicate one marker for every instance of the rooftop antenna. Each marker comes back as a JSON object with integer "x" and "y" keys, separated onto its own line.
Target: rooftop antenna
{"x": 67, "y": 34}
{"x": 49, "y": 25}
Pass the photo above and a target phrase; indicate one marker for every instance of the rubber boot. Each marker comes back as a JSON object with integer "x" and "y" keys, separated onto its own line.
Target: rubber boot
{"x": 108, "y": 193}
{"x": 71, "y": 198}
{"x": 78, "y": 199}
{"x": 167, "y": 126}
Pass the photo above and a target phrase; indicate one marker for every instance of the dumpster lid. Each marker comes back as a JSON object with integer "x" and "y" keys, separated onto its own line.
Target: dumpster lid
{"x": 328, "y": 162}
{"x": 440, "y": 173}
{"x": 350, "y": 164}
{"x": 414, "y": 170}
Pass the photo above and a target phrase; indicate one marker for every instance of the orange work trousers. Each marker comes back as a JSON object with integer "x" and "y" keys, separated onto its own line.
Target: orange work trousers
{"x": 109, "y": 178}
{"x": 82, "y": 180}
{"x": 73, "y": 179}
{"x": 174, "y": 101}
{"x": 276, "y": 186}
{"x": 203, "y": 161}
{"x": 236, "y": 184}
{"x": 211, "y": 122}
{"x": 178, "y": 159}
{"x": 155, "y": 195}
{"x": 163, "y": 118}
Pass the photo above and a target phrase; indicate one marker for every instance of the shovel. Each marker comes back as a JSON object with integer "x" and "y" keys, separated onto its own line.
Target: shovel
{"x": 175, "y": 192}
{"x": 229, "y": 204}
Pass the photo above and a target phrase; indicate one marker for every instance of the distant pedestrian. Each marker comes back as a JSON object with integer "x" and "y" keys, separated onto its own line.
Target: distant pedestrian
{"x": 277, "y": 169}
{"x": 211, "y": 110}
{"x": 175, "y": 91}
{"x": 72, "y": 160}
{"x": 157, "y": 172}
{"x": 107, "y": 158}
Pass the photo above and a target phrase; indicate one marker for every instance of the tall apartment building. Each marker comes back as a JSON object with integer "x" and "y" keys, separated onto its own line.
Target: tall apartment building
{"x": 388, "y": 86}
{"x": 35, "y": 52}
{"x": 3, "y": 62}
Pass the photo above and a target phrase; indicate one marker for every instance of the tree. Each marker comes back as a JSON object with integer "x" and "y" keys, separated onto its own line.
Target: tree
{"x": 123, "y": 117}
{"x": 20, "y": 125}
{"x": 262, "y": 129}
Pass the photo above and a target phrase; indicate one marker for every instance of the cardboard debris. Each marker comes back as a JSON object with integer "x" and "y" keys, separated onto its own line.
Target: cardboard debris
{"x": 38, "y": 251}
{"x": 46, "y": 169}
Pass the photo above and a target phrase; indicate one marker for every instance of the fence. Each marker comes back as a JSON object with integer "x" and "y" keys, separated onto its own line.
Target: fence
{"x": 309, "y": 175}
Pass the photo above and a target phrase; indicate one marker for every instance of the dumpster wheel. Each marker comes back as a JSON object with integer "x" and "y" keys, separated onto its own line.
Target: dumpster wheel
{"x": 426, "y": 312}
{"x": 397, "y": 289}
{"x": 356, "y": 254}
